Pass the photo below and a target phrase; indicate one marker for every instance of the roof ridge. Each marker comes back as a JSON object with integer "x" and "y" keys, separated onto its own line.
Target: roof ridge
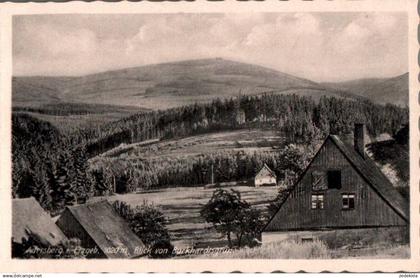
{"x": 268, "y": 168}
{"x": 87, "y": 204}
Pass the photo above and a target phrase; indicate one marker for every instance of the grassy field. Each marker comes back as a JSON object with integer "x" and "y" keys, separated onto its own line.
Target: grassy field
{"x": 248, "y": 140}
{"x": 390, "y": 252}
{"x": 311, "y": 250}
{"x": 182, "y": 207}
{"x": 278, "y": 250}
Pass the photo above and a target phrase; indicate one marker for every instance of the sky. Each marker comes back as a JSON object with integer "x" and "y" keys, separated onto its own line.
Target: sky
{"x": 318, "y": 46}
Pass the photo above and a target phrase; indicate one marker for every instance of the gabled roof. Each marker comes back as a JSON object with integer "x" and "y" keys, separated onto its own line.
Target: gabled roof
{"x": 106, "y": 228}
{"x": 265, "y": 166}
{"x": 374, "y": 176}
{"x": 369, "y": 171}
{"x": 29, "y": 217}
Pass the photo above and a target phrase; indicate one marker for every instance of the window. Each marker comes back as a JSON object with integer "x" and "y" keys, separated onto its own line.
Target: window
{"x": 319, "y": 180}
{"x": 317, "y": 201}
{"x": 348, "y": 201}
{"x": 334, "y": 179}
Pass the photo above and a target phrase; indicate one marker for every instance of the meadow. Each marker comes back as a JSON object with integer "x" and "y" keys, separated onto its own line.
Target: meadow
{"x": 311, "y": 250}
{"x": 248, "y": 140}
{"x": 278, "y": 250}
{"x": 182, "y": 206}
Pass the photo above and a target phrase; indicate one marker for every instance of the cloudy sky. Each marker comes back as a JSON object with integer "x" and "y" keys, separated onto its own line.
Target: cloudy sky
{"x": 317, "y": 46}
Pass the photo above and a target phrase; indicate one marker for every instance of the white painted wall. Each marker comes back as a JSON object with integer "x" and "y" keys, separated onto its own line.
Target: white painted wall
{"x": 267, "y": 237}
{"x": 265, "y": 180}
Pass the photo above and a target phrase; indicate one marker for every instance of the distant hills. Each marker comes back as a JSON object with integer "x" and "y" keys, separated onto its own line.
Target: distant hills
{"x": 380, "y": 90}
{"x": 174, "y": 84}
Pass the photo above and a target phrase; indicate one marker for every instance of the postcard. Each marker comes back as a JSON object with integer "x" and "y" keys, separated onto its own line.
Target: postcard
{"x": 209, "y": 136}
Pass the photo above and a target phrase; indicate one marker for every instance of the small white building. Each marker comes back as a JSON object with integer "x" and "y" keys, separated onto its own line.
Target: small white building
{"x": 265, "y": 177}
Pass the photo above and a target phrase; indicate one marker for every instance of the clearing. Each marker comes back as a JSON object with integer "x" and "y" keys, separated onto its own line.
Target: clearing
{"x": 247, "y": 140}
{"x": 182, "y": 207}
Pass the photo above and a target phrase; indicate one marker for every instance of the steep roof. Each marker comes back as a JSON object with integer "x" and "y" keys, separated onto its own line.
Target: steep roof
{"x": 374, "y": 176}
{"x": 29, "y": 217}
{"x": 268, "y": 169}
{"x": 369, "y": 171}
{"x": 106, "y": 228}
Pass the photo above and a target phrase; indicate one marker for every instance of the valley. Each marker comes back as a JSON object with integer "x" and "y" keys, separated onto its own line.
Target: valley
{"x": 171, "y": 134}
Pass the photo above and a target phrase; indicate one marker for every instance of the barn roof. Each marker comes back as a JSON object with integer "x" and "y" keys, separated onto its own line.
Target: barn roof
{"x": 106, "y": 228}
{"x": 29, "y": 217}
{"x": 374, "y": 176}
{"x": 265, "y": 166}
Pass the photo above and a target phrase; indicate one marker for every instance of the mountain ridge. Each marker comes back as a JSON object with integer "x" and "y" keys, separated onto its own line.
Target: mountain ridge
{"x": 171, "y": 84}
{"x": 380, "y": 90}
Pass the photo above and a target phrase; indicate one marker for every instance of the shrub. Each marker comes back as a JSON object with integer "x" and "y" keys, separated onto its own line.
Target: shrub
{"x": 149, "y": 224}
{"x": 162, "y": 249}
{"x": 229, "y": 215}
{"x": 146, "y": 221}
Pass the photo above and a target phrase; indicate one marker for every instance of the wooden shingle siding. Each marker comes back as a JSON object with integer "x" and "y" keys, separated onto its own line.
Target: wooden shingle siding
{"x": 370, "y": 208}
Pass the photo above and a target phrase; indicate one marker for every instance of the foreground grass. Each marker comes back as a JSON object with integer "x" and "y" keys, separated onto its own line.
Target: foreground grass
{"x": 311, "y": 250}
{"x": 279, "y": 250}
{"x": 390, "y": 252}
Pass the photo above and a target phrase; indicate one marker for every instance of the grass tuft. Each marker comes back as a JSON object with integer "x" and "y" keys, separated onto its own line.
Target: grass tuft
{"x": 279, "y": 250}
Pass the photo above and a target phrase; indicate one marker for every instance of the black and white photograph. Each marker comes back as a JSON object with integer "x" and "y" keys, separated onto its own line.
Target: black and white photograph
{"x": 216, "y": 135}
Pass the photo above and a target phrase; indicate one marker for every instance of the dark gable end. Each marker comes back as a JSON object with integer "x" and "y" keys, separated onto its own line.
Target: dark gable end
{"x": 269, "y": 226}
{"x": 361, "y": 176}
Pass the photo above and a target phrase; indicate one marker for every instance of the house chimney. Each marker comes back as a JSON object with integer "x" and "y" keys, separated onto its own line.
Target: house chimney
{"x": 359, "y": 139}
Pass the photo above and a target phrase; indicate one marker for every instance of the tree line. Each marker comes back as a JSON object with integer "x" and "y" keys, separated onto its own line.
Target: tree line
{"x": 300, "y": 118}
{"x": 54, "y": 168}
{"x": 45, "y": 166}
{"x": 225, "y": 166}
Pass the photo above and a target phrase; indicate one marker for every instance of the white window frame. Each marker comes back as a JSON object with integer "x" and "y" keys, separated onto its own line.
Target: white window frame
{"x": 317, "y": 201}
{"x": 346, "y": 197}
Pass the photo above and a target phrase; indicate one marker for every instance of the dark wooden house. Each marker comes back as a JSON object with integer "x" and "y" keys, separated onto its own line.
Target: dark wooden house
{"x": 341, "y": 188}
{"x": 101, "y": 231}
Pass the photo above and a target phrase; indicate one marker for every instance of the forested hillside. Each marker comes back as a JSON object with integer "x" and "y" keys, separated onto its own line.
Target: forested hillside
{"x": 53, "y": 167}
{"x": 71, "y": 117}
{"x": 300, "y": 118}
{"x": 45, "y": 165}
